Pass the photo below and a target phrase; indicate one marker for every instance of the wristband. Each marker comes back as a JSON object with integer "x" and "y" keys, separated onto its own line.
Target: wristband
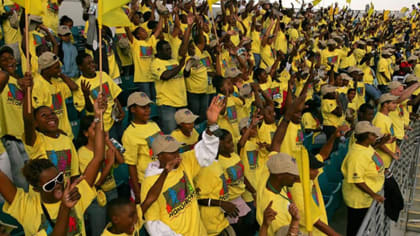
{"x": 209, "y": 203}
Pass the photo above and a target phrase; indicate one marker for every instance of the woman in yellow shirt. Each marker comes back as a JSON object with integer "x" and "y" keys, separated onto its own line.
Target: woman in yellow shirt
{"x": 40, "y": 210}
{"x": 363, "y": 171}
{"x": 86, "y": 141}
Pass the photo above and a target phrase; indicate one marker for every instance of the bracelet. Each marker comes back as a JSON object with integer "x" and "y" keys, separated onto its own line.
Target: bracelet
{"x": 209, "y": 203}
{"x": 96, "y": 120}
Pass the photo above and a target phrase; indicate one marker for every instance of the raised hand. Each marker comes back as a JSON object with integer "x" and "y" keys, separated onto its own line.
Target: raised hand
{"x": 26, "y": 82}
{"x": 71, "y": 193}
{"x": 269, "y": 214}
{"x": 216, "y": 106}
{"x": 85, "y": 85}
{"x": 294, "y": 211}
{"x": 100, "y": 104}
{"x": 230, "y": 208}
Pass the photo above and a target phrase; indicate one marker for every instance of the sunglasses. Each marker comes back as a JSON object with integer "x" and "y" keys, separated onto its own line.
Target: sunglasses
{"x": 50, "y": 185}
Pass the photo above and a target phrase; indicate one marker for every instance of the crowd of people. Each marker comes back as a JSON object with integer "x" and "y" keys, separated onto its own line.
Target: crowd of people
{"x": 261, "y": 78}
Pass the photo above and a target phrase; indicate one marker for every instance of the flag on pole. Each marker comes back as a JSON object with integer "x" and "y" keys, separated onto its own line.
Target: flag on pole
{"x": 303, "y": 165}
{"x": 404, "y": 10}
{"x": 316, "y": 2}
{"x": 33, "y": 7}
{"x": 108, "y": 10}
{"x": 371, "y": 10}
{"x": 348, "y": 1}
{"x": 116, "y": 17}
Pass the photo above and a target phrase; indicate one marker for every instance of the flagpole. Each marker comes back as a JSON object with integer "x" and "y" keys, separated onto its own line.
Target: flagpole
{"x": 100, "y": 12}
{"x": 28, "y": 65}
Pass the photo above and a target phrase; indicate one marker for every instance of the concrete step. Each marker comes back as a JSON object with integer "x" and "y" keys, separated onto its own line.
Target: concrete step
{"x": 413, "y": 226}
{"x": 413, "y": 215}
{"x": 415, "y": 206}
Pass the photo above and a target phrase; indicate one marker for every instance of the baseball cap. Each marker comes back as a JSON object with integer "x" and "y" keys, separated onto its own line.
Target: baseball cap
{"x": 245, "y": 90}
{"x": 331, "y": 42}
{"x": 411, "y": 78}
{"x": 413, "y": 58}
{"x": 394, "y": 84}
{"x": 327, "y": 89}
{"x": 165, "y": 143}
{"x": 232, "y": 72}
{"x": 63, "y": 30}
{"x": 345, "y": 76}
{"x": 184, "y": 116}
{"x": 367, "y": 127}
{"x": 352, "y": 69}
{"x": 282, "y": 163}
{"x": 36, "y": 19}
{"x": 46, "y": 60}
{"x": 386, "y": 53}
{"x": 387, "y": 97}
{"x": 138, "y": 98}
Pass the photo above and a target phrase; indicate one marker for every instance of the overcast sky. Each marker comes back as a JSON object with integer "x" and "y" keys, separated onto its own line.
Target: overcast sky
{"x": 360, "y": 4}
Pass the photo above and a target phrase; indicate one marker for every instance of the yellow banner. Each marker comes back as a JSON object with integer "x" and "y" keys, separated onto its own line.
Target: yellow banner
{"x": 404, "y": 10}
{"x": 386, "y": 14}
{"x": 113, "y": 7}
{"x": 33, "y": 7}
{"x": 316, "y": 2}
{"x": 116, "y": 17}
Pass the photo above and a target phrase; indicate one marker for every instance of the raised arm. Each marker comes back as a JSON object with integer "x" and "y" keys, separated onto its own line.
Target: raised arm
{"x": 129, "y": 34}
{"x": 7, "y": 188}
{"x": 28, "y": 116}
{"x": 94, "y": 166}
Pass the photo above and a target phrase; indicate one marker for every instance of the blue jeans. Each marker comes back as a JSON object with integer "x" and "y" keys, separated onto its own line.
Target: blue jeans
{"x": 96, "y": 214}
{"x": 198, "y": 104}
{"x": 257, "y": 58}
{"x": 372, "y": 92}
{"x": 167, "y": 118}
{"x": 148, "y": 88}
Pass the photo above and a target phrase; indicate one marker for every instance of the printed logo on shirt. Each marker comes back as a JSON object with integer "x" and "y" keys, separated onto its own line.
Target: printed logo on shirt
{"x": 206, "y": 62}
{"x": 224, "y": 63}
{"x": 10, "y": 8}
{"x": 315, "y": 195}
{"x": 105, "y": 90}
{"x": 378, "y": 162}
{"x": 391, "y": 130}
{"x": 179, "y": 196}
{"x": 53, "y": 7}
{"x": 171, "y": 67}
{"x": 186, "y": 148}
{"x": 299, "y": 137}
{"x": 57, "y": 103}
{"x": 149, "y": 141}
{"x": 74, "y": 227}
{"x": 401, "y": 110}
{"x": 235, "y": 173}
{"x": 360, "y": 90}
{"x": 146, "y": 51}
{"x": 224, "y": 192}
{"x": 231, "y": 113}
{"x": 276, "y": 94}
{"x": 61, "y": 159}
{"x": 15, "y": 95}
{"x": 252, "y": 159}
{"x": 333, "y": 59}
{"x": 38, "y": 40}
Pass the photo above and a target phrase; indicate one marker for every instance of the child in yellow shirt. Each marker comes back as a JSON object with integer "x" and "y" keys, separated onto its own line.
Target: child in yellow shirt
{"x": 185, "y": 133}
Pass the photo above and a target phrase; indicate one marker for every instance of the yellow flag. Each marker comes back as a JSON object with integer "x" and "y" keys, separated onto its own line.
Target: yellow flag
{"x": 331, "y": 11}
{"x": 33, "y": 7}
{"x": 116, "y": 17}
{"x": 404, "y": 10}
{"x": 303, "y": 165}
{"x": 210, "y": 3}
{"x": 105, "y": 7}
{"x": 386, "y": 14}
{"x": 316, "y": 2}
{"x": 348, "y": 1}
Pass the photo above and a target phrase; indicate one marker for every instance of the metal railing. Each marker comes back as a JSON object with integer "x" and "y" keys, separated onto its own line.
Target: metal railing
{"x": 404, "y": 171}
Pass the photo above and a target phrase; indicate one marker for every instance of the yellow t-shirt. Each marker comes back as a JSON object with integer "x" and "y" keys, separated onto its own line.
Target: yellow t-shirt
{"x": 26, "y": 209}
{"x": 175, "y": 43}
{"x": 114, "y": 70}
{"x": 85, "y": 157}
{"x": 125, "y": 56}
{"x": 327, "y": 106}
{"x": 137, "y": 227}
{"x": 267, "y": 56}
{"x": 361, "y": 165}
{"x": 53, "y": 95}
{"x": 10, "y": 34}
{"x": 143, "y": 51}
{"x": 281, "y": 42}
{"x": 254, "y": 164}
{"x": 109, "y": 88}
{"x": 177, "y": 204}
{"x": 417, "y": 70}
{"x": 212, "y": 184}
{"x": 280, "y": 205}
{"x": 11, "y": 120}
{"x": 367, "y": 74}
{"x": 332, "y": 57}
{"x": 234, "y": 174}
{"x": 197, "y": 82}
{"x": 60, "y": 151}
{"x": 50, "y": 16}
{"x": 173, "y": 91}
{"x": 398, "y": 119}
{"x": 137, "y": 141}
{"x": 265, "y": 135}
{"x": 256, "y": 42}
{"x": 188, "y": 142}
{"x": 387, "y": 127}
{"x": 384, "y": 65}
{"x": 293, "y": 142}
{"x": 230, "y": 120}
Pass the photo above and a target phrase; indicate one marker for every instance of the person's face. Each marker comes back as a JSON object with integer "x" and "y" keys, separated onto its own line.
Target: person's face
{"x": 227, "y": 87}
{"x": 398, "y": 91}
{"x": 351, "y": 95}
{"x": 136, "y": 19}
{"x": 331, "y": 48}
{"x": 372, "y": 138}
{"x": 166, "y": 157}
{"x": 313, "y": 173}
{"x": 287, "y": 179}
{"x": 269, "y": 115}
{"x": 88, "y": 67}
{"x": 126, "y": 218}
{"x": 270, "y": 40}
{"x": 141, "y": 113}
{"x": 187, "y": 128}
{"x": 68, "y": 24}
{"x": 8, "y": 62}
{"x": 65, "y": 38}
{"x": 166, "y": 51}
{"x": 345, "y": 82}
{"x": 46, "y": 120}
{"x": 339, "y": 81}
{"x": 57, "y": 193}
{"x": 392, "y": 106}
{"x": 141, "y": 33}
{"x": 90, "y": 132}
{"x": 368, "y": 115}
{"x": 226, "y": 145}
{"x": 52, "y": 71}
